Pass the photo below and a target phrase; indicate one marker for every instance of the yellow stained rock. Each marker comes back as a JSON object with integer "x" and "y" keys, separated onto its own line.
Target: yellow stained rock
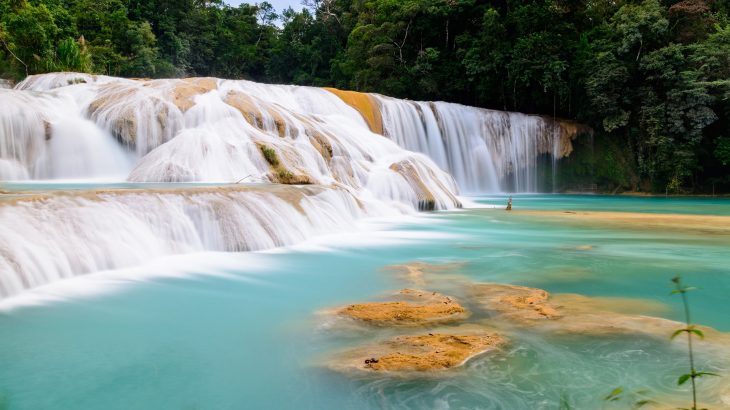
{"x": 576, "y": 314}
{"x": 365, "y": 104}
{"x": 256, "y": 113}
{"x": 515, "y": 302}
{"x": 433, "y": 351}
{"x": 321, "y": 144}
{"x": 183, "y": 95}
{"x": 416, "y": 307}
{"x": 246, "y": 106}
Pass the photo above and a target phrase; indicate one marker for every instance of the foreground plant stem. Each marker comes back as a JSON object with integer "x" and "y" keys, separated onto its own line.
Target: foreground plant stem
{"x": 693, "y": 373}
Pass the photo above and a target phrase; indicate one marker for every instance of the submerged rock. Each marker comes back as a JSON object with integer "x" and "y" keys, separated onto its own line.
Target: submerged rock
{"x": 518, "y": 303}
{"x": 704, "y": 224}
{"x": 421, "y": 273}
{"x": 415, "y": 307}
{"x": 512, "y": 305}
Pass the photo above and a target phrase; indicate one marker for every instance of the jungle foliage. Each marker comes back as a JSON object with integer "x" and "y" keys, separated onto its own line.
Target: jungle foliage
{"x": 651, "y": 77}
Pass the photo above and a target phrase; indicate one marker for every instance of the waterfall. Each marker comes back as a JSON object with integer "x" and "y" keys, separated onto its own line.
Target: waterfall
{"x": 484, "y": 150}
{"x": 348, "y": 155}
{"x": 43, "y": 136}
{"x": 67, "y": 126}
{"x": 62, "y": 235}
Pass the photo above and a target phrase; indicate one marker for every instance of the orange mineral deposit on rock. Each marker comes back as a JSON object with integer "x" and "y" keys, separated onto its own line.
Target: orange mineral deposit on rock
{"x": 412, "y": 307}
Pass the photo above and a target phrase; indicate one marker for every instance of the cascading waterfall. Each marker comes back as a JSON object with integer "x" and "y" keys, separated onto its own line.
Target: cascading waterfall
{"x": 484, "y": 150}
{"x": 62, "y": 235}
{"x": 43, "y": 136}
{"x": 79, "y": 126}
{"x": 212, "y": 130}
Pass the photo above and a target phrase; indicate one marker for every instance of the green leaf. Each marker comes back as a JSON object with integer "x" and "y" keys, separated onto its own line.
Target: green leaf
{"x": 683, "y": 379}
{"x": 614, "y": 394}
{"x": 641, "y": 403}
{"x": 698, "y": 332}
{"x": 700, "y": 374}
{"x": 677, "y": 333}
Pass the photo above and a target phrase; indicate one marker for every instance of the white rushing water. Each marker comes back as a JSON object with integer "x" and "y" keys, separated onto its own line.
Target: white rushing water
{"x": 44, "y": 136}
{"x": 65, "y": 235}
{"x": 66, "y": 126}
{"x": 484, "y": 150}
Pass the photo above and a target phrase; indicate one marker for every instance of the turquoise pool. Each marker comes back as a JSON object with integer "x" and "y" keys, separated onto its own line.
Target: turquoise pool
{"x": 242, "y": 331}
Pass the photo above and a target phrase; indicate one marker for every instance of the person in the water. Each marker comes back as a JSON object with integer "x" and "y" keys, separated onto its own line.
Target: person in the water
{"x": 509, "y": 203}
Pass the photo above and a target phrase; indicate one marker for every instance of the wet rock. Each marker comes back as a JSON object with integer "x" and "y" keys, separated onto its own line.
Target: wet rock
{"x": 110, "y": 108}
{"x": 421, "y": 273}
{"x": 184, "y": 93}
{"x": 321, "y": 144}
{"x": 129, "y": 108}
{"x": 420, "y": 353}
{"x": 415, "y": 178}
{"x": 514, "y": 302}
{"x": 246, "y": 106}
{"x": 414, "y": 307}
{"x": 512, "y": 305}
{"x": 279, "y": 172}
{"x": 261, "y": 115}
{"x": 280, "y": 123}
{"x": 365, "y": 104}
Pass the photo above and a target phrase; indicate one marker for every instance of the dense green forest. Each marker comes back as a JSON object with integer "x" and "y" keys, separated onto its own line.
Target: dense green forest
{"x": 651, "y": 77}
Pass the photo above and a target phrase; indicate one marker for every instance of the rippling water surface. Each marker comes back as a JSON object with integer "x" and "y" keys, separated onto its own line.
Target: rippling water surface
{"x": 235, "y": 331}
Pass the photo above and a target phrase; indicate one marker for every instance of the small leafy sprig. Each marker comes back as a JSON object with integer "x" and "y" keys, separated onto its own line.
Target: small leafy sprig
{"x": 629, "y": 399}
{"x": 690, "y": 330}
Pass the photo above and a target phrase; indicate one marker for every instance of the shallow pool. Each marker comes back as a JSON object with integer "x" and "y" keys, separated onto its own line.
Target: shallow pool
{"x": 245, "y": 331}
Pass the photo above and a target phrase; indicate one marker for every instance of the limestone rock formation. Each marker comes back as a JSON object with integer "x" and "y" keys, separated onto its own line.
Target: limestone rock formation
{"x": 365, "y": 104}
{"x": 184, "y": 92}
{"x": 515, "y": 303}
{"x": 411, "y": 307}
{"x": 430, "y": 352}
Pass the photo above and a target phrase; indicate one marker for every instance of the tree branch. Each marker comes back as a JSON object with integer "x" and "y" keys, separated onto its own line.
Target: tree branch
{"x": 13, "y": 54}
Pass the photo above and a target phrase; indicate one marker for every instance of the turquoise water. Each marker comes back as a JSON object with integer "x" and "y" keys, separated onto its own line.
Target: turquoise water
{"x": 243, "y": 332}
{"x": 648, "y": 204}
